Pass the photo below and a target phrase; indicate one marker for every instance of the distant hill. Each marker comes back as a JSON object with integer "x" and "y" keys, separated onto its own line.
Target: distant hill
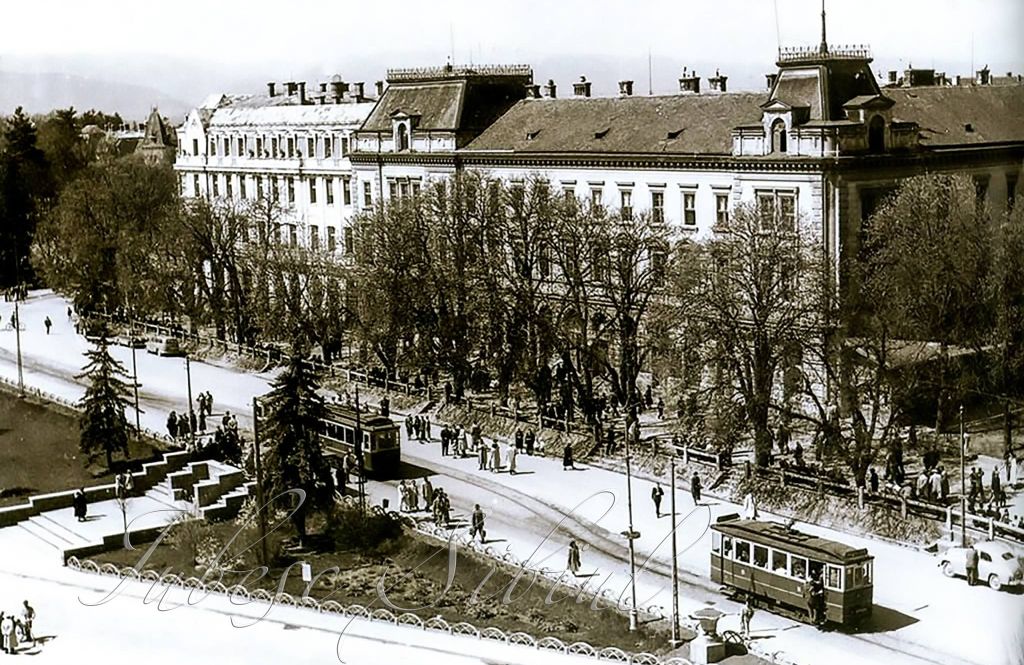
{"x": 43, "y": 92}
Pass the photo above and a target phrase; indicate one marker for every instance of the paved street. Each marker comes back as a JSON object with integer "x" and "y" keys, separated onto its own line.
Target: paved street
{"x": 920, "y": 616}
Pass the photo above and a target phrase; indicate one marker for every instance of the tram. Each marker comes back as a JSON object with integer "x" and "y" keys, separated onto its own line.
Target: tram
{"x": 381, "y": 441}
{"x": 773, "y": 564}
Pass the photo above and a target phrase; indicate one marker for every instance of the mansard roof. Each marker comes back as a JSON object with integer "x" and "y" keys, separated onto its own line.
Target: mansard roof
{"x": 674, "y": 124}
{"x": 248, "y": 115}
{"x": 437, "y": 103}
{"x": 951, "y": 115}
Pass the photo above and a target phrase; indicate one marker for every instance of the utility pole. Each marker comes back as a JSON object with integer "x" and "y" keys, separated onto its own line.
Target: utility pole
{"x": 631, "y": 535}
{"x": 360, "y": 466}
{"x": 262, "y": 515}
{"x": 675, "y": 565}
{"x": 135, "y": 381}
{"x": 188, "y": 378}
{"x": 963, "y": 483}
{"x": 17, "y": 341}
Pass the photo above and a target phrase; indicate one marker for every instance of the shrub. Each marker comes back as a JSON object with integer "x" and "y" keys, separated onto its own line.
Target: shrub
{"x": 349, "y": 528}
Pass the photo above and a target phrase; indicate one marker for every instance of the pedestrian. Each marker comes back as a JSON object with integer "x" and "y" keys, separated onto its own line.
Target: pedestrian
{"x": 209, "y": 403}
{"x": 997, "y": 489}
{"x": 567, "y": 461}
{"x": 972, "y": 566}
{"x": 80, "y": 504}
{"x": 182, "y": 425}
{"x": 192, "y": 422}
{"x": 172, "y": 425}
{"x": 10, "y": 637}
{"x": 573, "y": 563}
{"x": 428, "y": 493}
{"x": 426, "y": 428}
{"x": 444, "y": 441}
{"x": 495, "y": 457}
{"x": 935, "y": 484}
{"x": 478, "y": 524}
{"x": 750, "y": 506}
{"x": 661, "y": 409}
{"x": 609, "y": 447}
{"x": 482, "y": 457}
{"x": 512, "y": 453}
{"x": 519, "y": 439}
{"x": 202, "y": 421}
{"x": 408, "y": 429}
{"x": 656, "y": 494}
{"x": 746, "y": 615}
{"x": 225, "y": 421}
{"x": 922, "y": 485}
{"x": 414, "y": 496}
{"x": 463, "y": 442}
{"x": 695, "y": 488}
{"x": 447, "y": 392}
{"x": 403, "y": 496}
{"x": 48, "y": 323}
{"x": 28, "y": 616}
{"x": 446, "y": 509}
{"x": 873, "y": 481}
{"x": 943, "y": 485}
{"x": 69, "y": 312}
{"x": 529, "y": 441}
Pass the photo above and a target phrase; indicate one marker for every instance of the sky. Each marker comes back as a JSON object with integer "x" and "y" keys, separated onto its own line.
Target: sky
{"x": 235, "y": 39}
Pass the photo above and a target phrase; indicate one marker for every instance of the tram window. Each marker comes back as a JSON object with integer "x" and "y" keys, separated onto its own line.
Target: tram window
{"x": 742, "y": 551}
{"x": 869, "y": 567}
{"x": 780, "y": 562}
{"x": 716, "y": 542}
{"x": 350, "y": 436}
{"x": 798, "y": 567}
{"x": 834, "y": 578}
{"x": 727, "y": 547}
{"x": 761, "y": 556}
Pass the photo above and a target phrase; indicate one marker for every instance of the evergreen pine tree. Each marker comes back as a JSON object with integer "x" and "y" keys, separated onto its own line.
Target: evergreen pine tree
{"x": 104, "y": 428}
{"x": 290, "y": 429}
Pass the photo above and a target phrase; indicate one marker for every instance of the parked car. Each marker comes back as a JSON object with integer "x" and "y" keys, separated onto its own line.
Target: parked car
{"x": 998, "y": 564}
{"x": 164, "y": 346}
{"x": 132, "y": 341}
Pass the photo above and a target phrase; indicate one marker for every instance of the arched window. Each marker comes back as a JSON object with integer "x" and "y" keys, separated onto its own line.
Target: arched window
{"x": 402, "y": 139}
{"x": 876, "y": 134}
{"x": 779, "y": 135}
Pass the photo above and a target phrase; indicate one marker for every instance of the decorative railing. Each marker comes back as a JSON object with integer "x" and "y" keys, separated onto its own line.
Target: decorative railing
{"x": 801, "y": 53}
{"x": 450, "y": 71}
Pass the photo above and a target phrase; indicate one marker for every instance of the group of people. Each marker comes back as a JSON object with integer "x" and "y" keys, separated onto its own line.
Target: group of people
{"x": 976, "y": 491}
{"x": 814, "y": 596}
{"x": 18, "y": 292}
{"x": 932, "y": 485}
{"x": 418, "y": 427}
{"x": 15, "y": 629}
{"x": 409, "y": 495}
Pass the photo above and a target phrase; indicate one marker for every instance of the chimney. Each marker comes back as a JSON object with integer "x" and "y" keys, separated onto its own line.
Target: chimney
{"x": 625, "y": 88}
{"x": 337, "y": 87}
{"x": 770, "y": 79}
{"x": 550, "y": 89}
{"x": 270, "y": 88}
{"x": 290, "y": 88}
{"x": 581, "y": 88}
{"x": 532, "y": 91}
{"x": 357, "y": 90}
{"x": 718, "y": 82}
{"x": 380, "y": 89}
{"x": 302, "y": 92}
{"x": 689, "y": 82}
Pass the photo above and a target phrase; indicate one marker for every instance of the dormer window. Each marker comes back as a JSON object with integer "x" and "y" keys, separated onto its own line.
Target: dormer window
{"x": 876, "y": 134}
{"x": 401, "y": 137}
{"x": 779, "y": 136}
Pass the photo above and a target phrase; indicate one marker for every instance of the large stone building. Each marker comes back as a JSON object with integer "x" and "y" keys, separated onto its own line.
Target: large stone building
{"x": 285, "y": 145}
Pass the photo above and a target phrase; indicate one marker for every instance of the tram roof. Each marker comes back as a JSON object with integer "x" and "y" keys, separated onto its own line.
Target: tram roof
{"x": 367, "y": 418}
{"x": 790, "y": 540}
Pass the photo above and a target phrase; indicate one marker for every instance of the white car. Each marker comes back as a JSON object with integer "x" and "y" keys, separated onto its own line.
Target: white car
{"x": 163, "y": 346}
{"x": 998, "y": 564}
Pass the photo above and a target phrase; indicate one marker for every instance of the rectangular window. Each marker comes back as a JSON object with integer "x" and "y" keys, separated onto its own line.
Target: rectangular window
{"x": 392, "y": 190}
{"x": 195, "y": 184}
{"x": 743, "y": 551}
{"x": 722, "y": 209}
{"x": 312, "y": 190}
{"x": 310, "y": 147}
{"x": 291, "y": 189}
{"x": 569, "y": 194}
{"x": 195, "y": 146}
{"x": 403, "y": 188}
{"x": 275, "y": 188}
{"x": 241, "y": 147}
{"x": 213, "y": 147}
{"x": 216, "y": 185}
{"x": 327, "y": 147}
{"x": 689, "y": 209}
{"x": 346, "y": 191}
{"x": 314, "y": 237}
{"x": 273, "y": 148}
{"x": 596, "y": 197}
{"x": 716, "y": 542}
{"x": 259, "y": 187}
{"x": 761, "y": 556}
{"x": 658, "y": 207}
{"x": 349, "y": 243}
{"x": 259, "y": 146}
{"x": 227, "y": 147}
{"x": 626, "y": 204}
{"x": 798, "y": 567}
{"x": 229, "y": 179}
{"x": 332, "y": 241}
{"x": 367, "y": 195}
{"x": 293, "y": 236}
{"x": 787, "y": 212}
{"x": 414, "y": 186}
{"x": 291, "y": 147}
{"x": 780, "y": 562}
{"x": 344, "y": 146}
{"x": 241, "y": 186}
{"x": 727, "y": 547}
{"x": 777, "y": 210}
{"x": 329, "y": 190}
{"x": 834, "y": 578}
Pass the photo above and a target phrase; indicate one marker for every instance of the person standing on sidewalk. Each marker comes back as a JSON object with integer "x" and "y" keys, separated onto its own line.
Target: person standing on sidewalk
{"x": 529, "y": 440}
{"x": 745, "y": 616}
{"x": 512, "y": 452}
{"x": 428, "y": 493}
{"x": 656, "y": 494}
{"x": 972, "y": 566}
{"x": 573, "y": 563}
{"x": 495, "y": 458}
{"x": 519, "y": 438}
{"x": 567, "y": 460}
{"x": 481, "y": 452}
{"x": 28, "y": 616}
{"x": 49, "y": 324}
{"x": 478, "y": 524}
{"x": 695, "y": 488}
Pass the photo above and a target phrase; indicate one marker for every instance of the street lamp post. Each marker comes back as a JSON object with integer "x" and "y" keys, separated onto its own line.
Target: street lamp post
{"x": 963, "y": 484}
{"x": 631, "y": 536}
{"x": 17, "y": 342}
{"x": 188, "y": 379}
{"x": 360, "y": 465}
{"x": 261, "y": 509}
{"x": 135, "y": 382}
{"x": 675, "y": 564}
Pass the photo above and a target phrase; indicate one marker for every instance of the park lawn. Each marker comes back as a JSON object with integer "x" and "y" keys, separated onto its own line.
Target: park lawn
{"x": 416, "y": 570}
{"x": 39, "y": 451}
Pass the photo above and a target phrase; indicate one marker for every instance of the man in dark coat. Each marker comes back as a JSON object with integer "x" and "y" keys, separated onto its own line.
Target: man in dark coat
{"x": 656, "y": 494}
{"x": 695, "y": 488}
{"x": 567, "y": 460}
{"x": 529, "y": 440}
{"x": 172, "y": 425}
{"x": 972, "y": 566}
{"x": 519, "y": 440}
{"x": 478, "y": 524}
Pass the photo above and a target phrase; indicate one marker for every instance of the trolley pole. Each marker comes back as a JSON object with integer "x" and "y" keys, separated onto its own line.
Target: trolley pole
{"x": 360, "y": 465}
{"x": 188, "y": 378}
{"x": 262, "y": 515}
{"x": 963, "y": 483}
{"x": 17, "y": 341}
{"x": 631, "y": 535}
{"x": 675, "y": 566}
{"x": 135, "y": 382}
